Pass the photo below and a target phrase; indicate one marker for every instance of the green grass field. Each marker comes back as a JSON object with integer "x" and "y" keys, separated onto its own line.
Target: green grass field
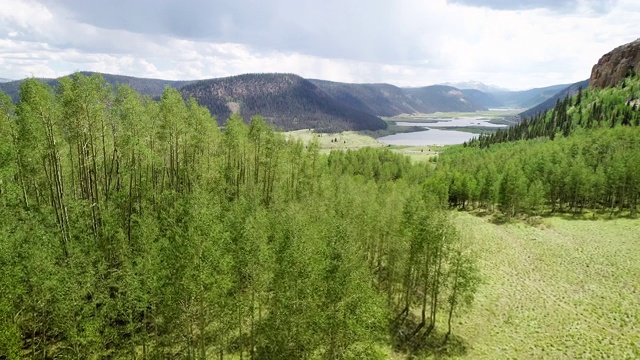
{"x": 351, "y": 140}
{"x": 564, "y": 289}
{"x": 344, "y": 140}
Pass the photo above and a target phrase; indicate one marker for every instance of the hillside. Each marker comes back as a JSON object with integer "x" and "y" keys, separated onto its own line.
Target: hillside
{"x": 377, "y": 99}
{"x": 475, "y": 85}
{"x": 616, "y": 65}
{"x": 526, "y": 99}
{"x": 581, "y": 156}
{"x": 145, "y": 86}
{"x": 443, "y": 98}
{"x": 482, "y": 98}
{"x": 591, "y": 109}
{"x": 291, "y": 102}
{"x": 12, "y": 88}
{"x": 596, "y": 107}
{"x": 549, "y": 104}
{"x": 287, "y": 101}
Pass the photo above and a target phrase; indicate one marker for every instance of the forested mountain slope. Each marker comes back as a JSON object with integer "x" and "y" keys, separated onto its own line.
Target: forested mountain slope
{"x": 482, "y": 98}
{"x": 580, "y": 156}
{"x": 377, "y": 99}
{"x": 145, "y": 86}
{"x": 287, "y": 101}
{"x": 527, "y": 98}
{"x": 592, "y": 108}
{"x": 550, "y": 103}
{"x": 443, "y": 98}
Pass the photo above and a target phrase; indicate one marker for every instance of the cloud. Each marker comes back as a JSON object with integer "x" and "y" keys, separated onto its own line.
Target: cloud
{"x": 564, "y": 6}
{"x": 406, "y": 42}
{"x": 371, "y": 31}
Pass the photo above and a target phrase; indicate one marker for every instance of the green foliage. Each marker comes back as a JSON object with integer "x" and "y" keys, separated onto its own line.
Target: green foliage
{"x": 594, "y": 170}
{"x": 581, "y": 156}
{"x": 137, "y": 229}
{"x": 589, "y": 109}
{"x": 287, "y": 101}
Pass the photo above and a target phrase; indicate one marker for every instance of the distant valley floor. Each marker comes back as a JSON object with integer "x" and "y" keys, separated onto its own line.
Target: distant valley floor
{"x": 446, "y": 129}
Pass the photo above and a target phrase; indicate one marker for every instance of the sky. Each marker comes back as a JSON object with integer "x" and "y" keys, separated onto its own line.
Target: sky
{"x": 509, "y": 43}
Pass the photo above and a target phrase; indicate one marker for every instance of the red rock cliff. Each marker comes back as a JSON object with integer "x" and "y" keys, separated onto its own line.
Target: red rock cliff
{"x": 614, "y": 66}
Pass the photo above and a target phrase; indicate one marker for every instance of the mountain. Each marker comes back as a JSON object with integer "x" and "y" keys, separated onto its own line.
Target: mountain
{"x": 476, "y": 85}
{"x": 291, "y": 102}
{"x": 4, "y": 80}
{"x": 603, "y": 105}
{"x": 526, "y": 99}
{"x": 145, "y": 86}
{"x": 616, "y": 65}
{"x": 548, "y": 104}
{"x": 443, "y": 98}
{"x": 286, "y": 100}
{"x": 377, "y": 99}
{"x": 482, "y": 98}
{"x": 389, "y": 100}
{"x": 12, "y": 88}
{"x": 501, "y": 97}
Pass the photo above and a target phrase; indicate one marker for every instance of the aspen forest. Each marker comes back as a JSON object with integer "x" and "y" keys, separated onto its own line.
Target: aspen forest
{"x": 138, "y": 229}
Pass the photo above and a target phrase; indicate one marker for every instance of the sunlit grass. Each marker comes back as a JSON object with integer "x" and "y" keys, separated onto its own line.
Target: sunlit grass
{"x": 563, "y": 289}
{"x": 351, "y": 140}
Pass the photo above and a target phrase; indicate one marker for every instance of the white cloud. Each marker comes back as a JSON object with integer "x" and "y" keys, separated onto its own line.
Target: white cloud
{"x": 407, "y": 43}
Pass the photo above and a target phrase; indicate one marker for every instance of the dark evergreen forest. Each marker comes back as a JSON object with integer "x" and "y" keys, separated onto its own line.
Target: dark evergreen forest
{"x": 582, "y": 156}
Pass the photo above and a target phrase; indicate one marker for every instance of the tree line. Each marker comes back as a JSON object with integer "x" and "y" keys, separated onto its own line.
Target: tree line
{"x": 133, "y": 228}
{"x": 597, "y": 171}
{"x": 589, "y": 109}
{"x": 580, "y": 157}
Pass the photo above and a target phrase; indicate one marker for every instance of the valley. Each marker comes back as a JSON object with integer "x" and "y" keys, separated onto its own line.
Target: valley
{"x": 271, "y": 216}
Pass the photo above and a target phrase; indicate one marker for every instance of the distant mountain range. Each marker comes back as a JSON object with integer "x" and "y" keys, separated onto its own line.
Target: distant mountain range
{"x": 388, "y": 100}
{"x": 550, "y": 103}
{"x": 291, "y": 102}
{"x": 3, "y": 80}
{"x": 150, "y": 87}
{"x": 527, "y": 98}
{"x": 475, "y": 85}
{"x": 444, "y": 98}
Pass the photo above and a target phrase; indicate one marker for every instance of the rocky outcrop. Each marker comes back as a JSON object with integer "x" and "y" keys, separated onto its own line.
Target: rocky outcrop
{"x": 615, "y": 65}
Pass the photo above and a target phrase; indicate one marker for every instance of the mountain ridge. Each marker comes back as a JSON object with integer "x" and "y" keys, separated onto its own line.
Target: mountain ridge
{"x": 475, "y": 85}
{"x": 287, "y": 101}
{"x": 550, "y": 103}
{"x": 615, "y": 65}
{"x": 315, "y": 103}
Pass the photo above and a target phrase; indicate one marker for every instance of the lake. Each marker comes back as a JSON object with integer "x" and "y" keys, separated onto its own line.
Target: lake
{"x": 428, "y": 137}
{"x": 434, "y": 136}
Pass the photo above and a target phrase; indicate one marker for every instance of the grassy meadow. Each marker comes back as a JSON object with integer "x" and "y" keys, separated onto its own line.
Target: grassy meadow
{"x": 351, "y": 140}
{"x": 562, "y": 289}
{"x": 555, "y": 288}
